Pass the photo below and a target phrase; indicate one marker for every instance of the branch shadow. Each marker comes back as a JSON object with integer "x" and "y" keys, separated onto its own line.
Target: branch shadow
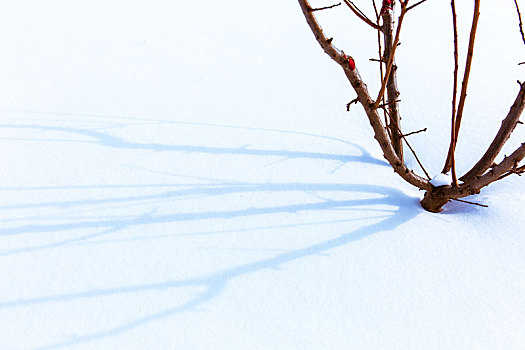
{"x": 213, "y": 283}
{"x": 107, "y": 140}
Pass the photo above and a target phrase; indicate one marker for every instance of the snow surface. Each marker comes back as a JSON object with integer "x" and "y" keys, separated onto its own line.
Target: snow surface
{"x": 441, "y": 180}
{"x": 184, "y": 175}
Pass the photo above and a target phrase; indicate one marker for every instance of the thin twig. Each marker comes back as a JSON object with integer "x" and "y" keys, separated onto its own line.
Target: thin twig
{"x": 517, "y": 171}
{"x": 468, "y": 202}
{"x": 375, "y": 9}
{"x": 357, "y": 8}
{"x": 355, "y": 100}
{"x": 463, "y": 95}
{"x": 415, "y": 132}
{"x": 453, "y": 135}
{"x": 416, "y": 4}
{"x": 381, "y": 59}
{"x": 521, "y": 23}
{"x": 325, "y": 8}
{"x": 360, "y": 14}
{"x": 412, "y": 150}
{"x": 417, "y": 158}
{"x": 383, "y": 105}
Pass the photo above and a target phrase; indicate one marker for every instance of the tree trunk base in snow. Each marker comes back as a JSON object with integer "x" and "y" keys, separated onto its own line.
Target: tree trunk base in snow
{"x": 432, "y": 203}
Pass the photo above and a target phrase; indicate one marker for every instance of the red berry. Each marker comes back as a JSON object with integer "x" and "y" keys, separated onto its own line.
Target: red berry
{"x": 351, "y": 63}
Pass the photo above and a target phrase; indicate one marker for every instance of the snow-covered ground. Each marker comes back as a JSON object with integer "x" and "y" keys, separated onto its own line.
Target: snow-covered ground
{"x": 184, "y": 175}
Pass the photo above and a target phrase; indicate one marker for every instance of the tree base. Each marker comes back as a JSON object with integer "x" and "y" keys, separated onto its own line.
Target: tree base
{"x": 432, "y": 203}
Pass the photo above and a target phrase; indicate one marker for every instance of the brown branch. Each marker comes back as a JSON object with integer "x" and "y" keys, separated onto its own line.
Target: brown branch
{"x": 437, "y": 197}
{"x": 474, "y": 186}
{"x": 520, "y": 23}
{"x": 469, "y": 202}
{"x": 325, "y": 8}
{"x": 415, "y": 132}
{"x": 391, "y": 57}
{"x": 453, "y": 135}
{"x": 416, "y": 157}
{"x": 381, "y": 59}
{"x": 518, "y": 171}
{"x": 387, "y": 104}
{"x": 360, "y": 14}
{"x": 403, "y": 137}
{"x": 355, "y": 100}
{"x": 389, "y": 80}
{"x": 507, "y": 127}
{"x": 463, "y": 95}
{"x": 416, "y": 4}
{"x": 375, "y": 10}
{"x": 324, "y": 42}
{"x": 366, "y": 101}
{"x": 505, "y": 166}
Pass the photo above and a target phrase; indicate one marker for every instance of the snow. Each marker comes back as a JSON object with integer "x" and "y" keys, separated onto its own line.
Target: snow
{"x": 185, "y": 176}
{"x": 441, "y": 180}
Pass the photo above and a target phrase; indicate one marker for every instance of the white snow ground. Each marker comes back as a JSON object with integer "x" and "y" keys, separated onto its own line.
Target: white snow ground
{"x": 184, "y": 175}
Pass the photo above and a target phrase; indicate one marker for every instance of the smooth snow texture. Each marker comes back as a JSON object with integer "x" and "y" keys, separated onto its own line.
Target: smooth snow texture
{"x": 184, "y": 175}
{"x": 441, "y": 180}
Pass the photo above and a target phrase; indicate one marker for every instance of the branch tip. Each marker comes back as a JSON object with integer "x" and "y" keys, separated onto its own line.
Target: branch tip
{"x": 354, "y": 101}
{"x": 323, "y": 8}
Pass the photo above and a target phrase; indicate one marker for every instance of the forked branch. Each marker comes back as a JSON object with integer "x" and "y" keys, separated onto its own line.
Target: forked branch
{"x": 507, "y": 127}
{"x": 485, "y": 171}
{"x": 352, "y": 74}
{"x": 361, "y": 15}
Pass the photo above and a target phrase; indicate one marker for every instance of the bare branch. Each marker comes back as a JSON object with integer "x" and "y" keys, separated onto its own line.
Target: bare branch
{"x": 360, "y": 14}
{"x": 498, "y": 170}
{"x": 415, "y": 156}
{"x": 403, "y": 137}
{"x": 415, "y": 132}
{"x": 325, "y": 8}
{"x": 518, "y": 171}
{"x": 437, "y": 197}
{"x": 366, "y": 101}
{"x": 453, "y": 134}
{"x": 383, "y": 105}
{"x": 507, "y": 127}
{"x": 416, "y": 4}
{"x": 355, "y": 100}
{"x": 375, "y": 10}
{"x": 389, "y": 80}
{"x": 326, "y": 44}
{"x": 391, "y": 57}
{"x": 520, "y": 23}
{"x": 463, "y": 95}
{"x": 508, "y": 164}
{"x": 469, "y": 202}
{"x": 380, "y": 55}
